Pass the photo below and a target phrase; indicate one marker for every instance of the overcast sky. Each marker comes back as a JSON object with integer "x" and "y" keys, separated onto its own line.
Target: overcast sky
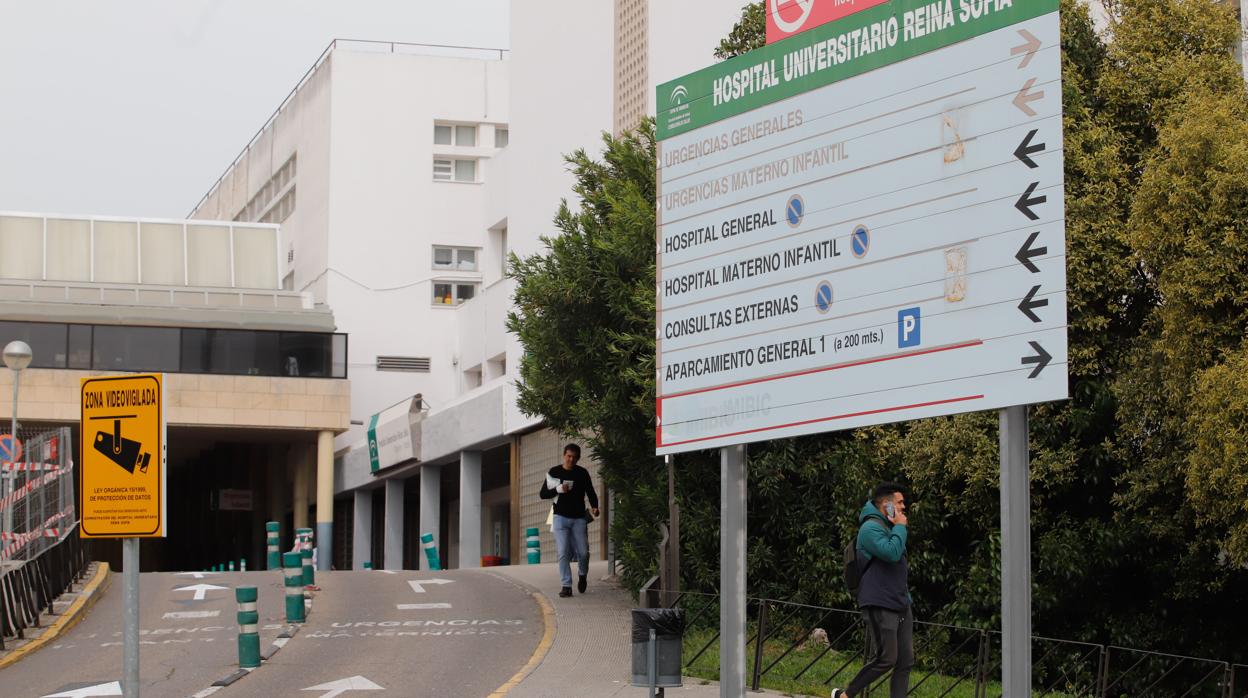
{"x": 135, "y": 107}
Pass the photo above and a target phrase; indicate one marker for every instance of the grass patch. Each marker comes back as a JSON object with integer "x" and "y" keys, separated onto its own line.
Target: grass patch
{"x": 840, "y": 665}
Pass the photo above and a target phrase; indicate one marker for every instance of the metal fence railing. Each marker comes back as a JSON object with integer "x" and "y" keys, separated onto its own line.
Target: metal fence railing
{"x": 39, "y": 558}
{"x": 804, "y": 650}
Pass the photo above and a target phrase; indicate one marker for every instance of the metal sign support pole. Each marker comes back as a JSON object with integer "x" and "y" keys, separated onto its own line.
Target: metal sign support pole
{"x": 1015, "y": 553}
{"x": 732, "y": 571}
{"x": 130, "y": 617}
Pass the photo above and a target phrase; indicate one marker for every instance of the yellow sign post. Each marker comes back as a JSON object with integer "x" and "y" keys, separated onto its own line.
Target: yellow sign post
{"x": 123, "y": 457}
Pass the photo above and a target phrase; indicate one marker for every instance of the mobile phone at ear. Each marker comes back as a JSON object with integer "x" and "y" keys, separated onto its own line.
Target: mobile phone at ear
{"x": 890, "y": 509}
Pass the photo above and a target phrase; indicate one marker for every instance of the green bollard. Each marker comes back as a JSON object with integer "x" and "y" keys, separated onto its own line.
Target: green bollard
{"x": 431, "y": 551}
{"x": 309, "y": 569}
{"x": 294, "y": 587}
{"x": 248, "y": 621}
{"x": 272, "y": 538}
{"x": 231, "y": 568}
{"x": 533, "y": 545}
{"x": 368, "y": 565}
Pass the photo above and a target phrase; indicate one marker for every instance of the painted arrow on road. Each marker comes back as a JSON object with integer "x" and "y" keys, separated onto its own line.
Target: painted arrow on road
{"x": 1026, "y": 201}
{"x": 196, "y": 575}
{"x": 1029, "y": 48}
{"x": 1030, "y": 303}
{"x": 419, "y": 589}
{"x": 335, "y": 688}
{"x": 112, "y": 688}
{"x": 200, "y": 590}
{"x": 1023, "y": 99}
{"x": 1041, "y": 359}
{"x": 1026, "y": 253}
{"x": 1025, "y": 150}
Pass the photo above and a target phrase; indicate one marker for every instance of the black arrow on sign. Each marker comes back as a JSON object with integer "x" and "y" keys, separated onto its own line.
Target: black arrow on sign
{"x": 1026, "y": 149}
{"x": 1025, "y": 202}
{"x": 1029, "y": 303}
{"x": 1026, "y": 253}
{"x": 1041, "y": 359}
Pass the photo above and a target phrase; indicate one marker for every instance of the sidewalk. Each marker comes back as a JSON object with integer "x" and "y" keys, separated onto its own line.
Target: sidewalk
{"x": 592, "y": 650}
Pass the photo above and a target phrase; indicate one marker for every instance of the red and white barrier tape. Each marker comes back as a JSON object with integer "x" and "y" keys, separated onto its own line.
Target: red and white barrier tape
{"x": 20, "y": 493}
{"x": 9, "y": 466}
{"x": 21, "y": 540}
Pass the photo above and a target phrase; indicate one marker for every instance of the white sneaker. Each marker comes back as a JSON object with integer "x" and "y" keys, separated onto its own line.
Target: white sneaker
{"x": 838, "y": 693}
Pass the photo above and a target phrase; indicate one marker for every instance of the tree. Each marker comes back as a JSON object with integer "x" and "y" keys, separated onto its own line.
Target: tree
{"x": 746, "y": 35}
{"x": 584, "y": 311}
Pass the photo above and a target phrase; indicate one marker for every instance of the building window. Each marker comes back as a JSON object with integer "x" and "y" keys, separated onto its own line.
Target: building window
{"x": 455, "y": 170}
{"x": 282, "y": 209}
{"x": 501, "y": 137}
{"x": 451, "y": 293}
{"x": 266, "y": 206}
{"x": 456, "y": 258}
{"x": 452, "y": 134}
{"x": 182, "y": 350}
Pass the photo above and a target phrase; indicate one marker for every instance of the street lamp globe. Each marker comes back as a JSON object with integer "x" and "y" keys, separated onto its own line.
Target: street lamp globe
{"x": 17, "y": 355}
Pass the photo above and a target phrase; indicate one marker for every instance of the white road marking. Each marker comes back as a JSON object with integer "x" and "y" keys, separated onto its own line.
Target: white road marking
{"x": 354, "y": 683}
{"x": 200, "y": 590}
{"x": 421, "y": 606}
{"x": 418, "y": 584}
{"x": 112, "y": 688}
{"x": 182, "y": 615}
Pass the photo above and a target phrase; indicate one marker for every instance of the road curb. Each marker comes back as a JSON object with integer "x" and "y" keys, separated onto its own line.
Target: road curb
{"x": 282, "y": 638}
{"x": 549, "y": 625}
{"x": 90, "y": 593}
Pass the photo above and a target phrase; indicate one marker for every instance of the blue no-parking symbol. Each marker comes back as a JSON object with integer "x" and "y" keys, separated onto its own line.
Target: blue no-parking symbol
{"x": 823, "y": 297}
{"x": 860, "y": 241}
{"x": 795, "y": 210}
{"x": 9, "y": 452}
{"x": 908, "y": 327}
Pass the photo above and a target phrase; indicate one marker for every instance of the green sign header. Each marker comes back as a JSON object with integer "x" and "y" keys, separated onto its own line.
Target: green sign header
{"x": 858, "y": 44}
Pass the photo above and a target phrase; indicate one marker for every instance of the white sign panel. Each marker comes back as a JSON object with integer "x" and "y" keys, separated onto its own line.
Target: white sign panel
{"x": 888, "y": 247}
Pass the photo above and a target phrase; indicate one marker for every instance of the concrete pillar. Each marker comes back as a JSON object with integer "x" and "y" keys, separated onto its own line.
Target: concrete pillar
{"x": 470, "y": 509}
{"x": 394, "y": 526}
{"x": 299, "y": 462}
{"x": 431, "y": 507}
{"x": 362, "y": 530}
{"x": 279, "y": 458}
{"x": 324, "y": 499}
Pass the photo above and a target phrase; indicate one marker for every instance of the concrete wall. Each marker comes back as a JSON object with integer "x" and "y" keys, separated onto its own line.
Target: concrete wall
{"x": 387, "y": 213}
{"x": 247, "y": 402}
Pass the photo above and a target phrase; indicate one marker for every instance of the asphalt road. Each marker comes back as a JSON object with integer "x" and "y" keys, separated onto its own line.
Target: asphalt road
{"x": 185, "y": 643}
{"x": 465, "y": 636}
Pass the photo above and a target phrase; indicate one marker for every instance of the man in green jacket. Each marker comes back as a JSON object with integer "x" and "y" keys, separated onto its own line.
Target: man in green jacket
{"x": 884, "y": 592}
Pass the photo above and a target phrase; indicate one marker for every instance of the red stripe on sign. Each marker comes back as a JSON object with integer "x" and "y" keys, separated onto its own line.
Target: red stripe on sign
{"x": 848, "y": 415}
{"x": 786, "y": 18}
{"x": 832, "y": 367}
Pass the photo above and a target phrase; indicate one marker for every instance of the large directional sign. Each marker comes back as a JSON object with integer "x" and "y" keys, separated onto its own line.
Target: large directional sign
{"x": 863, "y": 224}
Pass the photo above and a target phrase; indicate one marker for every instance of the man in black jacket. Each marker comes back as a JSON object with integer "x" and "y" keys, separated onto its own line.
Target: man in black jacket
{"x": 884, "y": 592}
{"x": 571, "y": 485}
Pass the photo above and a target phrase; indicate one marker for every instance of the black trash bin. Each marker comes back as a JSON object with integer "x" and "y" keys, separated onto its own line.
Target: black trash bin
{"x": 668, "y": 625}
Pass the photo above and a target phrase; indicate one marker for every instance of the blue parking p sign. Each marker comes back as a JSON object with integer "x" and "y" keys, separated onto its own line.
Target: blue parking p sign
{"x": 908, "y": 327}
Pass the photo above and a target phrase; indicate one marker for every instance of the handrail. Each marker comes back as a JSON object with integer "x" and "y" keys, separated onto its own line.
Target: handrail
{"x": 1145, "y": 666}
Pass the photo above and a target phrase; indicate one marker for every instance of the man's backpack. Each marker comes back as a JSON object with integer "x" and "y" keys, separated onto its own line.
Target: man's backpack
{"x": 854, "y": 569}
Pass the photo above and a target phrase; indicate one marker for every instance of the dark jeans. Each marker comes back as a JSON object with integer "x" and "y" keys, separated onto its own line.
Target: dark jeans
{"x": 890, "y": 635}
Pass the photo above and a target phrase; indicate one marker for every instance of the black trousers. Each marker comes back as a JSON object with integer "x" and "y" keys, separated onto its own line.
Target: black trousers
{"x": 890, "y": 637}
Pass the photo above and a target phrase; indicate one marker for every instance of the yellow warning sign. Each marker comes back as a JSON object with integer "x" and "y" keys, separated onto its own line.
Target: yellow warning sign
{"x": 123, "y": 457}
